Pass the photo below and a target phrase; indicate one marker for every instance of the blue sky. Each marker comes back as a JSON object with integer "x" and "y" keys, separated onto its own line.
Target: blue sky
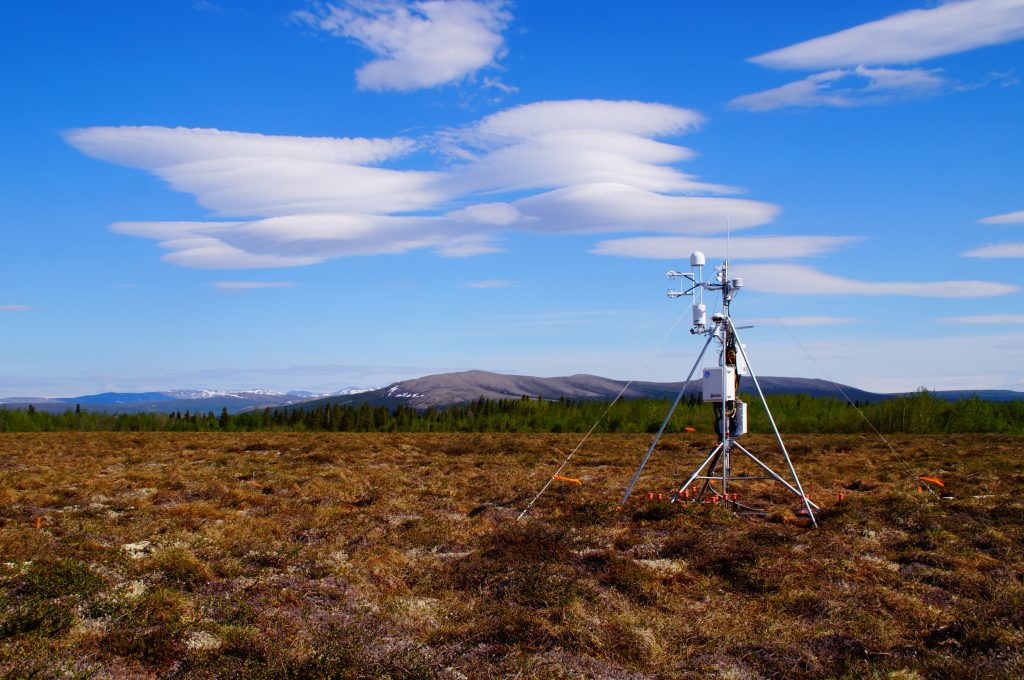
{"x": 299, "y": 195}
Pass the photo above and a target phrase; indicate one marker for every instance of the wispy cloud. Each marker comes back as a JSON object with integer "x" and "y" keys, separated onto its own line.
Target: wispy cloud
{"x": 242, "y": 286}
{"x": 860, "y": 86}
{"x": 1006, "y": 218}
{"x": 556, "y": 167}
{"x": 794, "y": 279}
{"x": 801, "y": 321}
{"x": 491, "y": 283}
{"x": 563, "y": 318}
{"x": 997, "y": 319}
{"x": 907, "y": 37}
{"x": 417, "y": 44}
{"x": 867, "y": 64}
{"x": 207, "y": 6}
{"x": 15, "y": 308}
{"x": 743, "y": 247}
{"x": 998, "y": 251}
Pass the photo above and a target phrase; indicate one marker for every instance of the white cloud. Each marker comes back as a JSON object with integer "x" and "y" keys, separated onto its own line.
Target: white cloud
{"x": 491, "y": 283}
{"x": 467, "y": 246}
{"x": 497, "y": 84}
{"x": 192, "y": 246}
{"x": 793, "y": 279}
{"x": 153, "y": 147}
{"x": 907, "y": 37}
{"x": 1000, "y": 250}
{"x": 744, "y": 247}
{"x": 628, "y": 117}
{"x": 417, "y": 44}
{"x": 15, "y": 308}
{"x": 1006, "y": 218}
{"x": 581, "y": 166}
{"x": 246, "y": 174}
{"x": 242, "y": 286}
{"x": 997, "y": 319}
{"x": 570, "y": 167}
{"x": 610, "y": 207}
{"x": 862, "y": 53}
{"x": 563, "y": 143}
{"x": 845, "y": 88}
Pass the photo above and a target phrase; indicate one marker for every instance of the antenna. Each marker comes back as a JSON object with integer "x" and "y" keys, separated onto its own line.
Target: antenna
{"x": 710, "y": 481}
{"x": 728, "y": 237}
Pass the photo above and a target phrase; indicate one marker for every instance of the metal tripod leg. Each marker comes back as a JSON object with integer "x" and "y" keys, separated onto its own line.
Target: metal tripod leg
{"x": 771, "y": 472}
{"x": 711, "y": 473}
{"x": 771, "y": 419}
{"x": 697, "y": 472}
{"x": 664, "y": 423}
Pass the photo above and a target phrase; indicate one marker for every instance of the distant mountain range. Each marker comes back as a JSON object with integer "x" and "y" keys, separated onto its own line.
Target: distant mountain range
{"x": 447, "y": 389}
{"x": 195, "y": 401}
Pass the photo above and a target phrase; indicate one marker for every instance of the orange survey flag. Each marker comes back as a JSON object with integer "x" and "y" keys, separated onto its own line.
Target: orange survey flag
{"x": 934, "y": 480}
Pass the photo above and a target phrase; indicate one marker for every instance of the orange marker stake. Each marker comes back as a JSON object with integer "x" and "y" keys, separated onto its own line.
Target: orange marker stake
{"x": 661, "y": 496}
{"x": 39, "y": 523}
{"x": 650, "y": 495}
{"x": 571, "y": 480}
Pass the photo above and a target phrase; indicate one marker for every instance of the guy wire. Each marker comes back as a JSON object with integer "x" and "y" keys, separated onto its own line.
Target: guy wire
{"x": 839, "y": 387}
{"x": 601, "y": 417}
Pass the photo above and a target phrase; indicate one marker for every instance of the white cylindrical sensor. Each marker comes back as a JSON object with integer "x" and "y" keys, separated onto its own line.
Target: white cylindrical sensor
{"x": 737, "y": 283}
{"x": 697, "y": 259}
{"x": 700, "y": 315}
{"x": 740, "y": 419}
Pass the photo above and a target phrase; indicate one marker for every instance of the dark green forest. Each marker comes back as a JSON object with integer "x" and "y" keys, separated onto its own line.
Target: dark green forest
{"x": 920, "y": 413}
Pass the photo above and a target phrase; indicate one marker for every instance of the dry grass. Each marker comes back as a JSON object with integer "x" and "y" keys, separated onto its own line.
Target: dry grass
{"x": 348, "y": 556}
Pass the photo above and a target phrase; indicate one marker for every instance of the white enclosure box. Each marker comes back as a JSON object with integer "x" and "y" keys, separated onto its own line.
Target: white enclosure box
{"x": 740, "y": 420}
{"x": 741, "y": 363}
{"x": 712, "y": 384}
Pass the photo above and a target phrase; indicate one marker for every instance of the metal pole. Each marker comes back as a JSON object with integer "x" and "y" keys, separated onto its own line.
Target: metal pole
{"x": 771, "y": 419}
{"x": 664, "y": 423}
{"x": 725, "y": 383}
{"x": 725, "y": 418}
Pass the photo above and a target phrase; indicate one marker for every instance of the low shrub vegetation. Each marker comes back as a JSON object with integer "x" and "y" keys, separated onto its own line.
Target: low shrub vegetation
{"x": 295, "y": 555}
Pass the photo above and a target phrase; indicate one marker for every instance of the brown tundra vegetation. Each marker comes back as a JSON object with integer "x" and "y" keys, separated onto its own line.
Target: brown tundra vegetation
{"x": 267, "y": 555}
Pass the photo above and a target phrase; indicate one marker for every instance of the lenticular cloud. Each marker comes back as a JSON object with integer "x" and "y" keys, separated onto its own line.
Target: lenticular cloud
{"x": 558, "y": 167}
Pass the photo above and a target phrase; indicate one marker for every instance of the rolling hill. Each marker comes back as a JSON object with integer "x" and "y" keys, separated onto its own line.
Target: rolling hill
{"x": 447, "y": 389}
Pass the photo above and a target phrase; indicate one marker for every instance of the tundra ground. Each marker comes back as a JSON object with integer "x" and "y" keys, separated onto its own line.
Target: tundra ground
{"x": 323, "y": 555}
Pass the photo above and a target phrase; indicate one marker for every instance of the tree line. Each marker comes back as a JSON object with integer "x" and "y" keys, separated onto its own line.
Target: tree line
{"x": 919, "y": 413}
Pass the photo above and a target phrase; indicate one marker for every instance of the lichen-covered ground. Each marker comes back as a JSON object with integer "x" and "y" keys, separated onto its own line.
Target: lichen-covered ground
{"x": 339, "y": 555}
